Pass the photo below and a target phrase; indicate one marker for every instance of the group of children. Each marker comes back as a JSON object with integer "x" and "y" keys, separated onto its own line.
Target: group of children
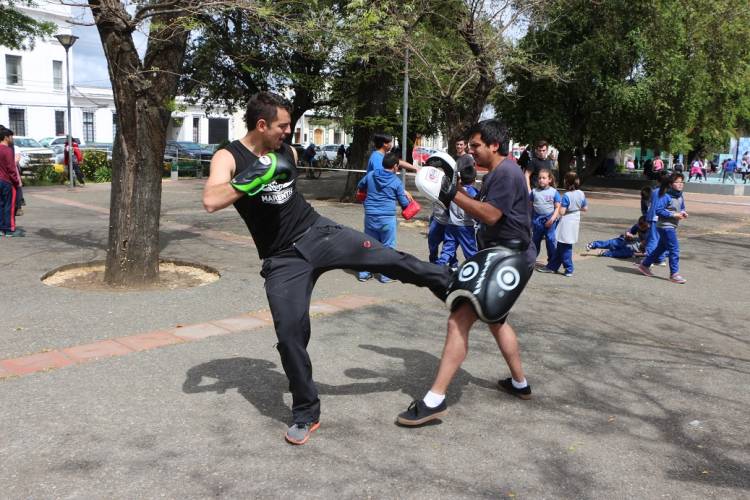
{"x": 654, "y": 236}
{"x": 556, "y": 219}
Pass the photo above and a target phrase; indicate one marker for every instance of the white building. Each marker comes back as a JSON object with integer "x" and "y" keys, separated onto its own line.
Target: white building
{"x": 33, "y": 100}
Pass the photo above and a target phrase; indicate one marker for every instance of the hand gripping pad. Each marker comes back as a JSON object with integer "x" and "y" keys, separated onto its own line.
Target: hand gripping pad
{"x": 491, "y": 281}
{"x": 449, "y": 181}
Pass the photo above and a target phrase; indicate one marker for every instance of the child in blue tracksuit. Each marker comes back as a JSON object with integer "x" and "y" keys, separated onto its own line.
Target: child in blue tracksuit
{"x": 383, "y": 188}
{"x": 546, "y": 208}
{"x": 572, "y": 204}
{"x": 670, "y": 209}
{"x": 460, "y": 231}
{"x": 652, "y": 218}
{"x": 626, "y": 245}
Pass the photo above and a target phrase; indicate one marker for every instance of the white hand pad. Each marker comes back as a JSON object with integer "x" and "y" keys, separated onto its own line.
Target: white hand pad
{"x": 429, "y": 180}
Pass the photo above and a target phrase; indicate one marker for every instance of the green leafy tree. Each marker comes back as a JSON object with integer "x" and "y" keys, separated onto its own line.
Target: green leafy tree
{"x": 663, "y": 74}
{"x": 18, "y": 30}
{"x": 286, "y": 47}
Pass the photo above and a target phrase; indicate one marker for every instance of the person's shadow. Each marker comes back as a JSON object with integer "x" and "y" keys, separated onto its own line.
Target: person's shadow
{"x": 259, "y": 382}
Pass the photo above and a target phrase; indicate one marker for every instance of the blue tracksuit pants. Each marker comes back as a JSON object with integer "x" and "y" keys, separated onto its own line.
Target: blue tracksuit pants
{"x": 616, "y": 247}
{"x": 669, "y": 245}
{"x": 455, "y": 236}
{"x": 539, "y": 232}
{"x": 653, "y": 241}
{"x": 435, "y": 236}
{"x": 563, "y": 256}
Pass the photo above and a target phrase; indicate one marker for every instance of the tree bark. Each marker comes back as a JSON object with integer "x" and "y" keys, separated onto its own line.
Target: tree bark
{"x": 143, "y": 92}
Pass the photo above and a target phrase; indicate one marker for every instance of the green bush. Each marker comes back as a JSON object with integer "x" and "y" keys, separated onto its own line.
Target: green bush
{"x": 103, "y": 174}
{"x": 93, "y": 160}
{"x": 46, "y": 176}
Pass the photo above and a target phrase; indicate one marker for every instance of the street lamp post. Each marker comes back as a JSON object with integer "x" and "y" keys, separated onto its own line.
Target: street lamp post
{"x": 67, "y": 42}
{"x": 404, "y": 153}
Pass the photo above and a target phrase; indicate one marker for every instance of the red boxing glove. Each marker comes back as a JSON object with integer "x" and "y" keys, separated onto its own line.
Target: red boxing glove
{"x": 361, "y": 195}
{"x": 411, "y": 210}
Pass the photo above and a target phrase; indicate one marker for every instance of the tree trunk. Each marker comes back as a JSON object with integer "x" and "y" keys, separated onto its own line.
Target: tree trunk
{"x": 371, "y": 101}
{"x": 143, "y": 92}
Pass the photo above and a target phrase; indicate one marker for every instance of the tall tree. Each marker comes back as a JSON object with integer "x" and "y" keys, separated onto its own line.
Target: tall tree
{"x": 460, "y": 48}
{"x": 662, "y": 74}
{"x": 143, "y": 91}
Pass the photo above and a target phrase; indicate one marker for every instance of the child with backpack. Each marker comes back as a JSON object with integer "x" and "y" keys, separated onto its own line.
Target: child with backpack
{"x": 460, "y": 231}
{"x": 572, "y": 204}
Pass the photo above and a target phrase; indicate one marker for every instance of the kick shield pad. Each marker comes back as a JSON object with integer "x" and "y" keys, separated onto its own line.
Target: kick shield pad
{"x": 491, "y": 282}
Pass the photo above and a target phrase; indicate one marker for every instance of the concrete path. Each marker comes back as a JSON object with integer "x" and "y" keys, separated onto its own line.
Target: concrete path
{"x": 640, "y": 385}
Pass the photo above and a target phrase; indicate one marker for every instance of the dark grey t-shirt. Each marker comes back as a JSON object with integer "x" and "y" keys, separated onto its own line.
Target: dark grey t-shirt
{"x": 505, "y": 189}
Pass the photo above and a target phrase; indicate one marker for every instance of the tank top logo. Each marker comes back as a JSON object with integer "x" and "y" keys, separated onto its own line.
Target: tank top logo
{"x": 277, "y": 194}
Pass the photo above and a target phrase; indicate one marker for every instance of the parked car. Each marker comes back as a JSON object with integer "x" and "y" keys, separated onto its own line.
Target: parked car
{"x": 187, "y": 149}
{"x": 33, "y": 156}
{"x": 421, "y": 153}
{"x": 331, "y": 151}
{"x": 300, "y": 152}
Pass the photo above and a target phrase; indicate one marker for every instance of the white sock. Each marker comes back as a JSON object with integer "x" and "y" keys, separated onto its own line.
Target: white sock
{"x": 432, "y": 400}
{"x": 519, "y": 385}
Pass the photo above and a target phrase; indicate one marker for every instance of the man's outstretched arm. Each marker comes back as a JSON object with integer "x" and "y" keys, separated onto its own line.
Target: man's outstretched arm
{"x": 218, "y": 193}
{"x": 482, "y": 211}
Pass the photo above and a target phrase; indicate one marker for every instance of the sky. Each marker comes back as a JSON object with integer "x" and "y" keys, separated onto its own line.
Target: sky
{"x": 89, "y": 63}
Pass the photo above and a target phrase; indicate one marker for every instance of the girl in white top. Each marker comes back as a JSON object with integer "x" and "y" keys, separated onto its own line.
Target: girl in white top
{"x": 573, "y": 203}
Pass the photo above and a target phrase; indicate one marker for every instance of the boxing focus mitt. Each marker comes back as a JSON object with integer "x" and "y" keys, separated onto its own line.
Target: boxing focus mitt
{"x": 438, "y": 180}
{"x": 411, "y": 210}
{"x": 265, "y": 170}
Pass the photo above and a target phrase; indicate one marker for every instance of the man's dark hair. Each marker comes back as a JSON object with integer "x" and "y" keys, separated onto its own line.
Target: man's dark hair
{"x": 541, "y": 144}
{"x": 5, "y": 132}
{"x": 264, "y": 105}
{"x": 493, "y": 132}
{"x": 379, "y": 139}
{"x": 390, "y": 160}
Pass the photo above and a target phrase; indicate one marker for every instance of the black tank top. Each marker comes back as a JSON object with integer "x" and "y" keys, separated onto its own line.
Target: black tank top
{"x": 278, "y": 215}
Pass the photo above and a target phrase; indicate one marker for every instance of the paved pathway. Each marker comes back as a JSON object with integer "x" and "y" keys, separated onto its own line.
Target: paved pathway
{"x": 640, "y": 385}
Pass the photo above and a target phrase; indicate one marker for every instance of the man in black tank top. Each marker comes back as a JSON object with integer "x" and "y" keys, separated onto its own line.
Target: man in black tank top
{"x": 297, "y": 245}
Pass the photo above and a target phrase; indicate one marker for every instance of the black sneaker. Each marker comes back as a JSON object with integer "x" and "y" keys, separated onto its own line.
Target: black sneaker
{"x": 300, "y": 433}
{"x": 419, "y": 413}
{"x": 507, "y": 386}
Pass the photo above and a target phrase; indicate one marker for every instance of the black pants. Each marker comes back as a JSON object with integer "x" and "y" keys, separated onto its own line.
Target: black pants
{"x": 290, "y": 276}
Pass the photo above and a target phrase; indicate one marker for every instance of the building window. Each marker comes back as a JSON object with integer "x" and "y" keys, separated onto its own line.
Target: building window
{"x": 57, "y": 75}
{"x": 13, "y": 74}
{"x": 196, "y": 129}
{"x": 88, "y": 126}
{"x": 17, "y": 121}
{"x": 59, "y": 122}
{"x": 114, "y": 126}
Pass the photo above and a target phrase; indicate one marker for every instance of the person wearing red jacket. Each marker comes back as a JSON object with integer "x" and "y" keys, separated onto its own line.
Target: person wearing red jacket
{"x": 9, "y": 182}
{"x": 77, "y": 161}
